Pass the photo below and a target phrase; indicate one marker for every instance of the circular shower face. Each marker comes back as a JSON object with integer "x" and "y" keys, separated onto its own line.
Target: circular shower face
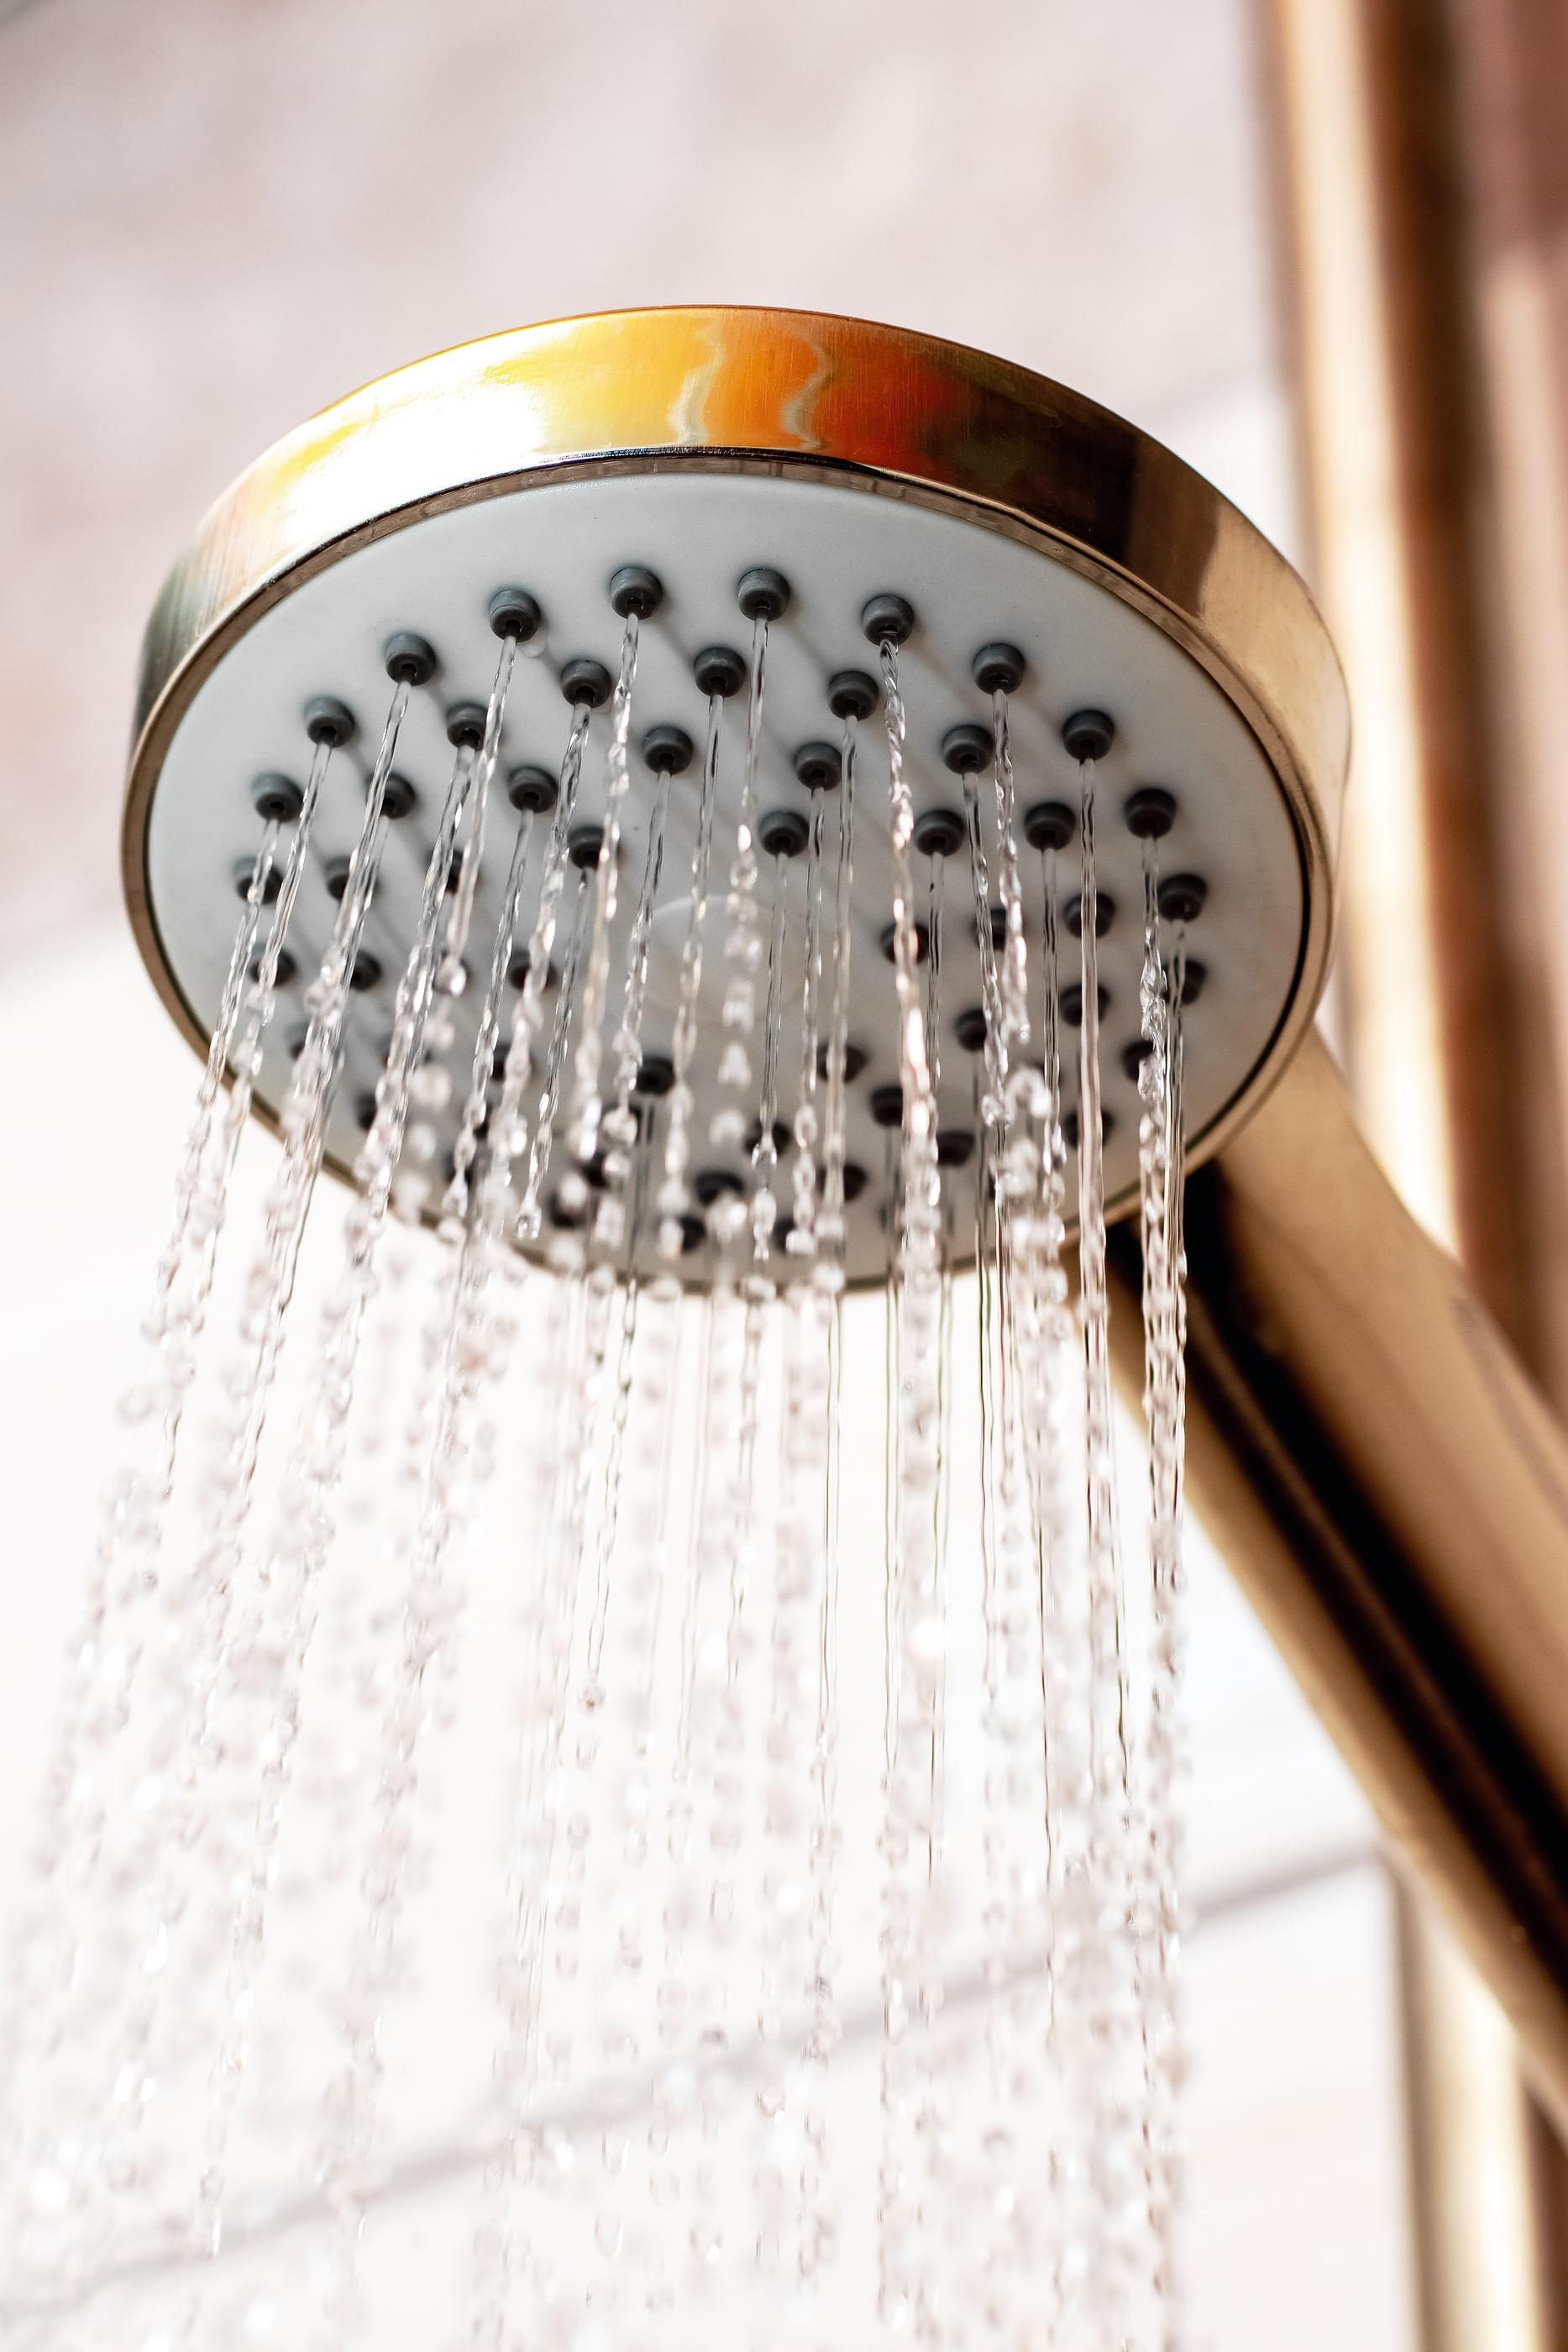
{"x": 1245, "y": 836}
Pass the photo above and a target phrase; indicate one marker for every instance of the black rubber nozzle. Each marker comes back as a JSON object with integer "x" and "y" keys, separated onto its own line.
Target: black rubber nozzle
{"x": 655, "y": 1076}
{"x": 719, "y": 669}
{"x": 244, "y": 874}
{"x": 887, "y": 619}
{"x": 783, "y": 833}
{"x": 513, "y": 612}
{"x": 278, "y": 798}
{"x": 922, "y": 941}
{"x": 938, "y": 832}
{"x": 335, "y": 875}
{"x": 366, "y": 974}
{"x": 855, "y": 1180}
{"x": 667, "y": 749}
{"x": 532, "y": 789}
{"x": 328, "y": 721}
{"x": 1149, "y": 813}
{"x": 851, "y": 694}
{"x": 1072, "y": 1004}
{"x": 955, "y": 1147}
{"x": 966, "y": 748}
{"x": 818, "y": 766}
{"x": 887, "y": 1106}
{"x": 465, "y": 725}
{"x": 635, "y": 589}
{"x": 518, "y": 971}
{"x": 1105, "y": 914}
{"x": 855, "y": 1060}
{"x": 1048, "y": 825}
{"x": 583, "y": 679}
{"x": 998, "y": 669}
{"x": 584, "y": 843}
{"x": 762, "y": 593}
{"x": 410, "y": 660}
{"x": 1182, "y": 898}
{"x": 398, "y": 797}
{"x": 1089, "y": 735}
{"x": 566, "y": 1216}
{"x": 970, "y": 1029}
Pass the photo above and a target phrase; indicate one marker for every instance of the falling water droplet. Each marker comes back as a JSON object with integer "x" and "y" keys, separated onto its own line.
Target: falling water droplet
{"x": 587, "y": 1105}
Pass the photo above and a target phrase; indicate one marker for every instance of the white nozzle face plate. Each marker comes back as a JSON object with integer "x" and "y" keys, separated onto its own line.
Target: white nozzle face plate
{"x": 969, "y": 585}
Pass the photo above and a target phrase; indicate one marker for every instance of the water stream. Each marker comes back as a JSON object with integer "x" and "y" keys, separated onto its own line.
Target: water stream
{"x": 587, "y": 1105}
{"x": 915, "y": 1631}
{"x": 284, "y": 1605}
{"x": 806, "y": 1127}
{"x": 1160, "y": 1149}
{"x": 1103, "y": 2007}
{"x": 675, "y": 1198}
{"x": 830, "y": 1223}
{"x": 517, "y": 1723}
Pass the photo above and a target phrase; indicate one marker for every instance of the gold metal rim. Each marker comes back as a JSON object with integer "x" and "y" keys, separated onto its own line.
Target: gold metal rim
{"x": 870, "y": 407}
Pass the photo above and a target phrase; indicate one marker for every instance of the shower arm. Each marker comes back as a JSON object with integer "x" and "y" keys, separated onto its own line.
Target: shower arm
{"x": 1391, "y": 1494}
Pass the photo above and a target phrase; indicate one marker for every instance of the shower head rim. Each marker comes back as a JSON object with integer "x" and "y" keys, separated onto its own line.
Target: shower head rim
{"x": 1100, "y": 493}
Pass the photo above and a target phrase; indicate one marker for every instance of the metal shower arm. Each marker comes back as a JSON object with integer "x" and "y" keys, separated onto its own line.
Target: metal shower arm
{"x": 1392, "y": 1494}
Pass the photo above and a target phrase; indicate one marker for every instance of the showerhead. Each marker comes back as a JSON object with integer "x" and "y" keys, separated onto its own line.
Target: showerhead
{"x": 715, "y": 472}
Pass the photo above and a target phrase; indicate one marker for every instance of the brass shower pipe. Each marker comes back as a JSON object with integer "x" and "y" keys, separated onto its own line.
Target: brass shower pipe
{"x": 1388, "y": 1486}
